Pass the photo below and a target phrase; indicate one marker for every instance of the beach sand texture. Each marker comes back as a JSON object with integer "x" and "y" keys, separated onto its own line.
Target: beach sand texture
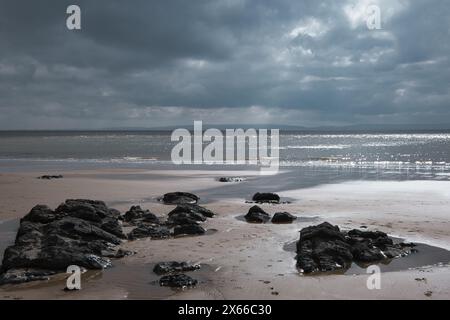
{"x": 242, "y": 261}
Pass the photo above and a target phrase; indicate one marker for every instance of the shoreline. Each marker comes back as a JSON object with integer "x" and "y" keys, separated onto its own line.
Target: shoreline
{"x": 247, "y": 253}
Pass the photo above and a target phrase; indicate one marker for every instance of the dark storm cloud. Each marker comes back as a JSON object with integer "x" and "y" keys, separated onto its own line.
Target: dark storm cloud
{"x": 154, "y": 63}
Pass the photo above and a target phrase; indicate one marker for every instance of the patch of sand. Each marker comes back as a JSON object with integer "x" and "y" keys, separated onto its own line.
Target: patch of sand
{"x": 247, "y": 260}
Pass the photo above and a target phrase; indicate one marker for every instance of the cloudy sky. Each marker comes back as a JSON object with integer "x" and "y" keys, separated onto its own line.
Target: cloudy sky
{"x": 153, "y": 63}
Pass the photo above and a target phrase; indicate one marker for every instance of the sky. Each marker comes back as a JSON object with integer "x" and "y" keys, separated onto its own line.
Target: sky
{"x": 161, "y": 63}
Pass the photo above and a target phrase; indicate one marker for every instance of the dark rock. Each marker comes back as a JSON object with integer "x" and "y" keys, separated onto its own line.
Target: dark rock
{"x": 177, "y": 281}
{"x": 16, "y": 276}
{"x": 78, "y": 229}
{"x": 325, "y": 248}
{"x": 40, "y": 214}
{"x": 188, "y": 214}
{"x": 90, "y": 210}
{"x": 78, "y": 232}
{"x": 137, "y": 214}
{"x": 188, "y": 229}
{"x": 180, "y": 198}
{"x": 231, "y": 179}
{"x": 193, "y": 210}
{"x": 365, "y": 252}
{"x": 283, "y": 217}
{"x": 174, "y": 267}
{"x": 367, "y": 234}
{"x": 407, "y": 244}
{"x": 324, "y": 231}
{"x": 180, "y": 219}
{"x": 266, "y": 197}
{"x": 151, "y": 218}
{"x": 114, "y": 213}
{"x": 50, "y": 177}
{"x": 113, "y": 226}
{"x": 394, "y": 252}
{"x": 134, "y": 213}
{"x": 322, "y": 248}
{"x": 257, "y": 215}
{"x": 149, "y": 231}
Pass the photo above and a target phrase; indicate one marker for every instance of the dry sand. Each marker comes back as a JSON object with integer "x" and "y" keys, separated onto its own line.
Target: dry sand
{"x": 243, "y": 261}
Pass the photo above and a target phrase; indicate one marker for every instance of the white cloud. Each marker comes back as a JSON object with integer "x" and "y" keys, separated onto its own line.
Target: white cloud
{"x": 310, "y": 27}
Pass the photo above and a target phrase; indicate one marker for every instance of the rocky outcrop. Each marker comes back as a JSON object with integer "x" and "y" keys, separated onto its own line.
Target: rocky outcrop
{"x": 283, "y": 217}
{"x": 172, "y": 267}
{"x": 325, "y": 248}
{"x": 185, "y": 219}
{"x": 257, "y": 215}
{"x": 266, "y": 198}
{"x": 78, "y": 232}
{"x": 86, "y": 233}
{"x": 137, "y": 215}
{"x": 180, "y": 198}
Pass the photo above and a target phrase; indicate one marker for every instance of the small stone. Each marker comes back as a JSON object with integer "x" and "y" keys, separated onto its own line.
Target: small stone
{"x": 180, "y": 198}
{"x": 50, "y": 177}
{"x": 174, "y": 267}
{"x": 231, "y": 179}
{"x": 266, "y": 197}
{"x": 257, "y": 215}
{"x": 177, "y": 281}
{"x": 283, "y": 217}
{"x": 189, "y": 229}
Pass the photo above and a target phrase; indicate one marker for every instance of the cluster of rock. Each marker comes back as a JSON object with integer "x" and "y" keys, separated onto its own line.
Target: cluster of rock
{"x": 79, "y": 232}
{"x": 325, "y": 248}
{"x": 173, "y": 274}
{"x": 185, "y": 219}
{"x": 87, "y": 233}
{"x": 257, "y": 215}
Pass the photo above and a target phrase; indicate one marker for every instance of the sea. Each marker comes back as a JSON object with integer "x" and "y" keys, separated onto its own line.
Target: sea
{"x": 316, "y": 155}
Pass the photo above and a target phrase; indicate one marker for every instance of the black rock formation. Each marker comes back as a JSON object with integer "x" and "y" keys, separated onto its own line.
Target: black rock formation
{"x": 136, "y": 215}
{"x": 177, "y": 281}
{"x": 180, "y": 198}
{"x": 324, "y": 248}
{"x": 283, "y": 217}
{"x": 171, "y": 267}
{"x": 266, "y": 198}
{"x": 78, "y": 232}
{"x": 257, "y": 215}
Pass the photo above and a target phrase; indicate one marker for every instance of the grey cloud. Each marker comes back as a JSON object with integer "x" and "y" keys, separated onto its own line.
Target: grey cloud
{"x": 283, "y": 62}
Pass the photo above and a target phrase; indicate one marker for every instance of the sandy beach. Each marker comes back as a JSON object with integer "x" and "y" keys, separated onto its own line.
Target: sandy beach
{"x": 242, "y": 260}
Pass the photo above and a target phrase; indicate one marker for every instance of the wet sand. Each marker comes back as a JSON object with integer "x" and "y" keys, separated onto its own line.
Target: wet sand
{"x": 244, "y": 261}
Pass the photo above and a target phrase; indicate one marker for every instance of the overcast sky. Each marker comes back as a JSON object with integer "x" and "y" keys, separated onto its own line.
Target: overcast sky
{"x": 156, "y": 63}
